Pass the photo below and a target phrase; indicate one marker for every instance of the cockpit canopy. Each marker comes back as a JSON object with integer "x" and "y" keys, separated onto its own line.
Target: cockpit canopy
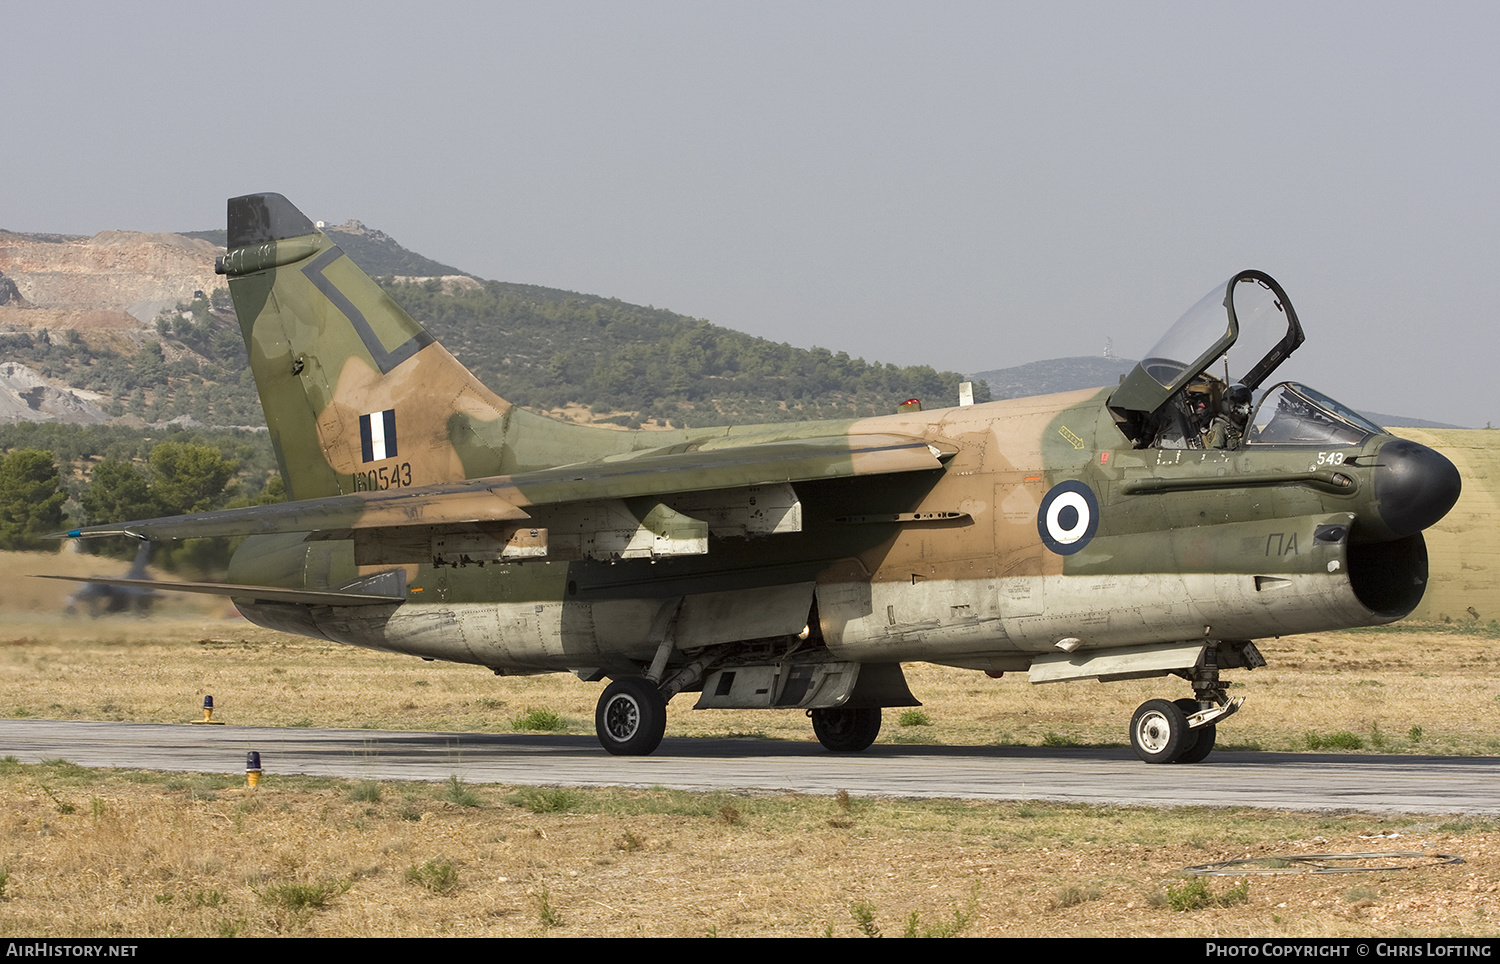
{"x": 1238, "y": 333}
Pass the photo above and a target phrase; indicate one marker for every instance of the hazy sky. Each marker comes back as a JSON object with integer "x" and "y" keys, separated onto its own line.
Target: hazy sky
{"x": 969, "y": 186}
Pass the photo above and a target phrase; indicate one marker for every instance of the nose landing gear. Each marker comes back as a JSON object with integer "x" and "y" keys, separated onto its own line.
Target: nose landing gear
{"x": 1183, "y": 731}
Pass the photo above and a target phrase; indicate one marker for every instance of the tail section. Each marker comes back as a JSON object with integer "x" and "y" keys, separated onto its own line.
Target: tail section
{"x": 356, "y": 394}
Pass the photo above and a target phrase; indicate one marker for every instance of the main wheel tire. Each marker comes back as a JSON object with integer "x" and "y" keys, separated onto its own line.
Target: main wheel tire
{"x": 843, "y": 730}
{"x": 1202, "y": 746}
{"x": 631, "y": 717}
{"x": 1188, "y": 708}
{"x": 1200, "y": 740}
{"x": 1158, "y": 731}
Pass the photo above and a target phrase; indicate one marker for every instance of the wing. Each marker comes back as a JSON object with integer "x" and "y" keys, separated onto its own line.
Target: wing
{"x": 649, "y": 504}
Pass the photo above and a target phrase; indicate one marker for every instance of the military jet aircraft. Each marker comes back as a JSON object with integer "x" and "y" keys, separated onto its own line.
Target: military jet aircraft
{"x": 1153, "y": 528}
{"x": 101, "y": 595}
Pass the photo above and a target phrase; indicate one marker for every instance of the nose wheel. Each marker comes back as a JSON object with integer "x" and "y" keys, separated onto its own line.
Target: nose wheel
{"x": 1159, "y": 731}
{"x": 631, "y": 717}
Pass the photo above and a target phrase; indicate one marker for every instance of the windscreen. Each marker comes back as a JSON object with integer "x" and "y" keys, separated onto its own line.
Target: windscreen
{"x": 1293, "y": 414}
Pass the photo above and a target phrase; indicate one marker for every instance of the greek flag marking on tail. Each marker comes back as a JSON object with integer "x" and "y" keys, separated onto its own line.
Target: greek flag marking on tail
{"x": 377, "y": 435}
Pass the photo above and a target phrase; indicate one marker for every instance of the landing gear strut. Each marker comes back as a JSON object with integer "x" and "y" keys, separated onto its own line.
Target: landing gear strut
{"x": 631, "y": 717}
{"x": 844, "y": 730}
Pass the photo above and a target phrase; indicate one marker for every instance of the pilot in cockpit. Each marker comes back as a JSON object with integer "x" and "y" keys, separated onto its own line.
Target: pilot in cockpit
{"x": 1206, "y": 414}
{"x": 1185, "y": 423}
{"x": 1201, "y": 395}
{"x": 1227, "y": 430}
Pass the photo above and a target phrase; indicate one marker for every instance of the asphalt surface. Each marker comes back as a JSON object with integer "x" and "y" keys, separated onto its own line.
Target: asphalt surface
{"x": 1293, "y": 781}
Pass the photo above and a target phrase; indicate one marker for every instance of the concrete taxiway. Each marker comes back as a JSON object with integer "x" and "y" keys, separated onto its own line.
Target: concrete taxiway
{"x": 1293, "y": 781}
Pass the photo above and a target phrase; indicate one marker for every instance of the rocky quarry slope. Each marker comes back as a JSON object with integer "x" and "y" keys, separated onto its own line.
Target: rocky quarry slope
{"x": 105, "y": 291}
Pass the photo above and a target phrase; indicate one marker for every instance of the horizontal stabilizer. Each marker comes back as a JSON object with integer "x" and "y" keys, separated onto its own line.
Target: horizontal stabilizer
{"x": 311, "y": 597}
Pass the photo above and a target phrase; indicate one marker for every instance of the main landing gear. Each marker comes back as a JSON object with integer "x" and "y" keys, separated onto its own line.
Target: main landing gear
{"x": 631, "y": 716}
{"x": 843, "y": 730}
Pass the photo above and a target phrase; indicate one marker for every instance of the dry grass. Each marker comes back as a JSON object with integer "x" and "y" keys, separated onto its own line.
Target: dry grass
{"x": 153, "y": 855}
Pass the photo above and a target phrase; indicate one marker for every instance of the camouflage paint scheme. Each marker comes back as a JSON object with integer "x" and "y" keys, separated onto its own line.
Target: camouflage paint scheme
{"x": 790, "y": 565}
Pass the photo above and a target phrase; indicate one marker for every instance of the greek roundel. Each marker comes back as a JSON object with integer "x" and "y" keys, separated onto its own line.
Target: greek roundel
{"x": 1068, "y": 517}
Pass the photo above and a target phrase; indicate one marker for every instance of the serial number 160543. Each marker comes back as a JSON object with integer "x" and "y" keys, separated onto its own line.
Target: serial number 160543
{"x": 386, "y": 477}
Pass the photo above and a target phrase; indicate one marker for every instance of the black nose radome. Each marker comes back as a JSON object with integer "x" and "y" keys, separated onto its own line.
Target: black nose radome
{"x": 1414, "y": 486}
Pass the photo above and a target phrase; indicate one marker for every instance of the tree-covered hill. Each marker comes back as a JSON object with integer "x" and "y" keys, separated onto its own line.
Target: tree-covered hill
{"x": 1056, "y": 375}
{"x": 545, "y": 348}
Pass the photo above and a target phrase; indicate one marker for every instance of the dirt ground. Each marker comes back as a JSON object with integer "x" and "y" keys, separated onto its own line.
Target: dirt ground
{"x": 153, "y": 855}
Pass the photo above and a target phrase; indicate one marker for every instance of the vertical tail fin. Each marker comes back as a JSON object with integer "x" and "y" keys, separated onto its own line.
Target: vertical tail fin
{"x": 356, "y": 394}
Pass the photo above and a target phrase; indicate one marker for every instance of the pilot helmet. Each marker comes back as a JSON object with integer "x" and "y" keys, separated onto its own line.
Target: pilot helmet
{"x": 1201, "y": 393}
{"x": 1237, "y": 401}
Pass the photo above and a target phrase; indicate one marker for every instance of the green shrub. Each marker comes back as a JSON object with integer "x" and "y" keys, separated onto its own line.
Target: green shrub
{"x": 1195, "y": 894}
{"x": 438, "y": 876}
{"x": 460, "y": 794}
{"x": 544, "y": 721}
{"x": 545, "y": 799}
{"x": 298, "y": 898}
{"x": 365, "y": 791}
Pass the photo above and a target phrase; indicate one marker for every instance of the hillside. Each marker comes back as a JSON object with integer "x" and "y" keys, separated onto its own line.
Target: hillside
{"x": 1054, "y": 375}
{"x": 107, "y": 288}
{"x": 138, "y": 327}
{"x": 548, "y": 349}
